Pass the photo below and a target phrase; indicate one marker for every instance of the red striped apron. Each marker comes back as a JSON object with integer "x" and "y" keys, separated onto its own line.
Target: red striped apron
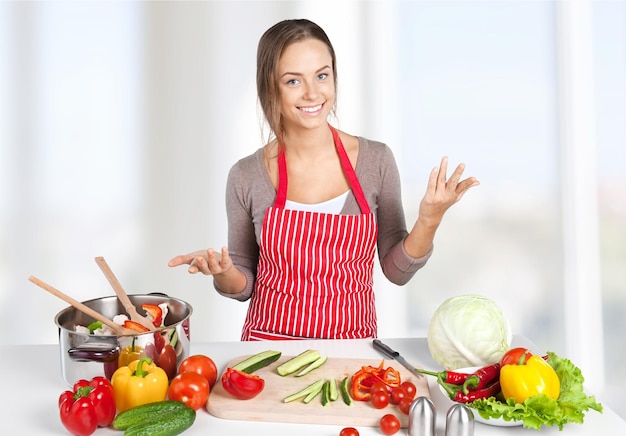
{"x": 315, "y": 272}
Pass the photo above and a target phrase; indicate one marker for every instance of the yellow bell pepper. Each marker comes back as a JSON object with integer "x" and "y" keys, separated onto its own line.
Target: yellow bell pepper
{"x": 527, "y": 380}
{"x": 140, "y": 382}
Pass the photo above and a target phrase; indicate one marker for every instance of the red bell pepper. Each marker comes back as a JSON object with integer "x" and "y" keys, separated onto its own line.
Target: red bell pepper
{"x": 89, "y": 405}
{"x": 155, "y": 313}
{"x": 363, "y": 379}
{"x": 241, "y": 385}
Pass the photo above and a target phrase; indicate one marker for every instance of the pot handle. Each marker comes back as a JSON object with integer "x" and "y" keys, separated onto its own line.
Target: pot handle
{"x": 96, "y": 354}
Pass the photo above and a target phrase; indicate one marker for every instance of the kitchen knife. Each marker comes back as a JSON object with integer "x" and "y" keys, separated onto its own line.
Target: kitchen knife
{"x": 393, "y": 354}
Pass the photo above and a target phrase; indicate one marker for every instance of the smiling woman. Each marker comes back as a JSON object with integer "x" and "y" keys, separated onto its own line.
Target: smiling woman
{"x": 121, "y": 120}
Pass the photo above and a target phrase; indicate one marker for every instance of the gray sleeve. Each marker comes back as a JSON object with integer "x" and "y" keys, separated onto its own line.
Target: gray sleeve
{"x": 242, "y": 243}
{"x": 381, "y": 182}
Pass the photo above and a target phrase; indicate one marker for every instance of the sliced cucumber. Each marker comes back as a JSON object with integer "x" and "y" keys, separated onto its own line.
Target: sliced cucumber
{"x": 315, "y": 364}
{"x": 313, "y": 387}
{"x": 345, "y": 393}
{"x": 326, "y": 393}
{"x": 314, "y": 393}
{"x": 296, "y": 363}
{"x": 333, "y": 392}
{"x": 258, "y": 361}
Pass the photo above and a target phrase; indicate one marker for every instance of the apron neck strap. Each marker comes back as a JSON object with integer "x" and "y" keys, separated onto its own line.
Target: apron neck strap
{"x": 353, "y": 181}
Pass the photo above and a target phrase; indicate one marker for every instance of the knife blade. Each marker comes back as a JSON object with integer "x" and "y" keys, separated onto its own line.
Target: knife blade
{"x": 393, "y": 354}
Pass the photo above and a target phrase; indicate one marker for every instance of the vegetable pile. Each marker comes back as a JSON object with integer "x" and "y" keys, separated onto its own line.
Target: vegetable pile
{"x": 538, "y": 391}
{"x": 140, "y": 399}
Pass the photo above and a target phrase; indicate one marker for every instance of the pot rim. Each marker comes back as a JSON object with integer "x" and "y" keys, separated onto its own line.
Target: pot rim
{"x": 131, "y": 296}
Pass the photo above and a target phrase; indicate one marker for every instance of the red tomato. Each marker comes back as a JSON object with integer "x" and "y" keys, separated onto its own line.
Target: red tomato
{"x": 405, "y": 405}
{"x": 201, "y": 364}
{"x": 410, "y": 388}
{"x": 389, "y": 424}
{"x": 398, "y": 394}
{"x": 380, "y": 399}
{"x": 349, "y": 431}
{"x": 378, "y": 386}
{"x": 515, "y": 356}
{"x": 190, "y": 388}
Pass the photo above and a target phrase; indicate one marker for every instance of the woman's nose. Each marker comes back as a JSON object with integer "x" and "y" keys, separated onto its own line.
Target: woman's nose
{"x": 310, "y": 90}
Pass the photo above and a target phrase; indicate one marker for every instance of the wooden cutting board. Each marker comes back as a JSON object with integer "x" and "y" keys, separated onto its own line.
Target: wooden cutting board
{"x": 269, "y": 405}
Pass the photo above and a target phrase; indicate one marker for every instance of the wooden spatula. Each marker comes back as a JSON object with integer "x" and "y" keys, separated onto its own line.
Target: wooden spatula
{"x": 118, "y": 329}
{"x": 121, "y": 294}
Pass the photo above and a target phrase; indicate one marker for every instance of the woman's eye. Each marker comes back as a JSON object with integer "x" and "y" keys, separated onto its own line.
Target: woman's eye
{"x": 292, "y": 82}
{"x": 322, "y": 76}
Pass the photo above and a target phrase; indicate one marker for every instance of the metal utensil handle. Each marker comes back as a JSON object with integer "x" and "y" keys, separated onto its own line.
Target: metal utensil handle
{"x": 385, "y": 349}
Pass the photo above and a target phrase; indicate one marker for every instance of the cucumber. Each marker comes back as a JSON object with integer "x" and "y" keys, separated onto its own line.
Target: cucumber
{"x": 316, "y": 364}
{"x": 145, "y": 412}
{"x": 314, "y": 393}
{"x": 258, "y": 361}
{"x": 333, "y": 393}
{"x": 313, "y": 387}
{"x": 168, "y": 424}
{"x": 326, "y": 393}
{"x": 345, "y": 393}
{"x": 298, "y": 362}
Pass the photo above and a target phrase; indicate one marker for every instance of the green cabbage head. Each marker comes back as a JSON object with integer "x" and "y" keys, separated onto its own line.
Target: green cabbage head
{"x": 468, "y": 330}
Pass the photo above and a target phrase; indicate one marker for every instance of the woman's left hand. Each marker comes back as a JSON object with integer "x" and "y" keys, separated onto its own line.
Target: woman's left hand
{"x": 442, "y": 193}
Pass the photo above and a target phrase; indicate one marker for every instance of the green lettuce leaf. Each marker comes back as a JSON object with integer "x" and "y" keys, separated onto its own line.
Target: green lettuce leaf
{"x": 540, "y": 410}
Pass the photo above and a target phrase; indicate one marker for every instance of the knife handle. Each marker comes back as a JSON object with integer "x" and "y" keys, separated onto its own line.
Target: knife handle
{"x": 385, "y": 349}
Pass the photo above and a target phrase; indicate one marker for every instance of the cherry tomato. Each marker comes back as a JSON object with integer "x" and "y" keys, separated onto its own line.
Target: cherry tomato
{"x": 201, "y": 364}
{"x": 389, "y": 424}
{"x": 349, "y": 431}
{"x": 405, "y": 405}
{"x": 190, "y": 388}
{"x": 410, "y": 388}
{"x": 397, "y": 395}
{"x": 514, "y": 356}
{"x": 378, "y": 386}
{"x": 380, "y": 399}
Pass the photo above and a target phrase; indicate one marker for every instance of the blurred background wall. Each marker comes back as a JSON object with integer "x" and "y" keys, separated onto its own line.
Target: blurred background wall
{"x": 120, "y": 120}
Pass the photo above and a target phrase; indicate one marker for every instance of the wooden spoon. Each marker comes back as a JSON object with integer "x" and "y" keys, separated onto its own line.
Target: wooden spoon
{"x": 121, "y": 294}
{"x": 83, "y": 308}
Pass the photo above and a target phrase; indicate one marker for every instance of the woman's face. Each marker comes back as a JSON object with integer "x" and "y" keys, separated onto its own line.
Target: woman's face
{"x": 306, "y": 84}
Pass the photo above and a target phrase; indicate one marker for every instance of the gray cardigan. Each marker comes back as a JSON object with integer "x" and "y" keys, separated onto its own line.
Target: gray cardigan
{"x": 249, "y": 192}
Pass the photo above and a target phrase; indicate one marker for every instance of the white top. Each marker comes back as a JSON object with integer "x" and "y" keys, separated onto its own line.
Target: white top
{"x": 334, "y": 205}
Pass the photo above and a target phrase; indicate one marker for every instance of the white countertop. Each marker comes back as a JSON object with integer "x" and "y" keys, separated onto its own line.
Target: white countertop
{"x": 33, "y": 382}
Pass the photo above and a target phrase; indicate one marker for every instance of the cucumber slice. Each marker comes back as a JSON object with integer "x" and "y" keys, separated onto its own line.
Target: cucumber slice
{"x": 258, "y": 361}
{"x": 313, "y": 387}
{"x": 326, "y": 393}
{"x": 298, "y": 362}
{"x": 316, "y": 364}
{"x": 314, "y": 393}
{"x": 333, "y": 392}
{"x": 345, "y": 393}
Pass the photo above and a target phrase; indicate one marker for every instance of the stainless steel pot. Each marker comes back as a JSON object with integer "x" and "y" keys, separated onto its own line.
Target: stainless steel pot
{"x": 84, "y": 356}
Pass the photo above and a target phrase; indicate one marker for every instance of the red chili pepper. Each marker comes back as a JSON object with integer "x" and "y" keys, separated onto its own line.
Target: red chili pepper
{"x": 91, "y": 404}
{"x": 452, "y": 377}
{"x": 241, "y": 385}
{"x": 489, "y": 391}
{"x": 482, "y": 377}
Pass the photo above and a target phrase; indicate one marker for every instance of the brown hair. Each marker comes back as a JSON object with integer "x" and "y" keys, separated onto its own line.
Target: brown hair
{"x": 271, "y": 47}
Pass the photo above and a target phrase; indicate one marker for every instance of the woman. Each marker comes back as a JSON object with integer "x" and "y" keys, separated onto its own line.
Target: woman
{"x": 307, "y": 211}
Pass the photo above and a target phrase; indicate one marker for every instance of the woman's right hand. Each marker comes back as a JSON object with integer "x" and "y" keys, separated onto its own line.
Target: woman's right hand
{"x": 207, "y": 262}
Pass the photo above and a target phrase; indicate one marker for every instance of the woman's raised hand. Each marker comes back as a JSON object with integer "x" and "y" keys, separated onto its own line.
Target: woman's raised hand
{"x": 207, "y": 262}
{"x": 442, "y": 193}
